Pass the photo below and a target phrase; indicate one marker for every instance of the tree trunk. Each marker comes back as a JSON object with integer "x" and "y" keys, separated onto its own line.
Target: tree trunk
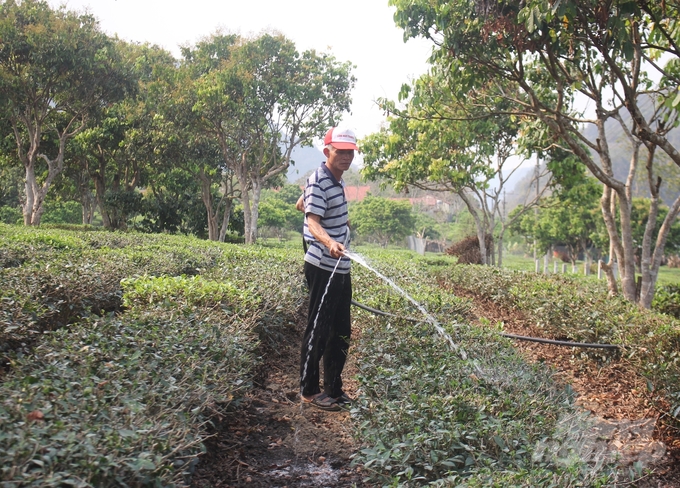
{"x": 206, "y": 197}
{"x": 651, "y": 262}
{"x": 628, "y": 286}
{"x": 254, "y": 211}
{"x": 225, "y": 219}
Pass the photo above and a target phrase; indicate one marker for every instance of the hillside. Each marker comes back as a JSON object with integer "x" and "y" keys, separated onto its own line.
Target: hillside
{"x": 304, "y": 159}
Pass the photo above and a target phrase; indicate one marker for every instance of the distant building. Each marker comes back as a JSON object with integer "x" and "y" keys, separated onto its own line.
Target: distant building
{"x": 356, "y": 193}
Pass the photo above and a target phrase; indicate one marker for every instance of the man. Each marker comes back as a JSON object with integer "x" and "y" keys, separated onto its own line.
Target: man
{"x": 326, "y": 232}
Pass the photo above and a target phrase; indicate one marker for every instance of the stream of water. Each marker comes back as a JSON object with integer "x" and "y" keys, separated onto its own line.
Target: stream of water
{"x": 362, "y": 261}
{"x": 430, "y": 319}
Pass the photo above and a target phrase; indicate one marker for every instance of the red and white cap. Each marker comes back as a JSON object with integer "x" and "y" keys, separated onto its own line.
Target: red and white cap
{"x": 340, "y": 138}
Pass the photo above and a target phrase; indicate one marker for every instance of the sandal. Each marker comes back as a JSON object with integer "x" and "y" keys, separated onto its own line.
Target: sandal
{"x": 344, "y": 400}
{"x": 322, "y": 401}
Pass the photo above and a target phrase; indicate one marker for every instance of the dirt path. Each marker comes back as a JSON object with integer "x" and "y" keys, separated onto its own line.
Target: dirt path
{"x": 270, "y": 440}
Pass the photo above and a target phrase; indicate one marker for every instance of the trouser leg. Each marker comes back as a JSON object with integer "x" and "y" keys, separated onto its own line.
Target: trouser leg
{"x": 327, "y": 333}
{"x": 337, "y": 345}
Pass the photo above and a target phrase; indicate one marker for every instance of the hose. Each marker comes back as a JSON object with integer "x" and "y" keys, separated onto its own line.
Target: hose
{"x": 380, "y": 312}
{"x": 510, "y": 336}
{"x": 561, "y": 343}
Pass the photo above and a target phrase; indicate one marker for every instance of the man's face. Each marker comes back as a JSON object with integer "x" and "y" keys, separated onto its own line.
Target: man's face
{"x": 339, "y": 159}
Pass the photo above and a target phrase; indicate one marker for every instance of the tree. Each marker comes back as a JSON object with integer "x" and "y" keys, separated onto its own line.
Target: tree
{"x": 382, "y": 220}
{"x": 552, "y": 52}
{"x": 56, "y": 69}
{"x": 440, "y": 143}
{"x": 258, "y": 99}
{"x": 277, "y": 210}
{"x": 567, "y": 219}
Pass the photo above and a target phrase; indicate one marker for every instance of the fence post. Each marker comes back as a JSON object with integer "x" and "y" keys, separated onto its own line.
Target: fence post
{"x": 564, "y": 268}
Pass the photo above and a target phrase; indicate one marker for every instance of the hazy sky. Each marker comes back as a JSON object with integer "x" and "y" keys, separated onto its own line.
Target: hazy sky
{"x": 359, "y": 31}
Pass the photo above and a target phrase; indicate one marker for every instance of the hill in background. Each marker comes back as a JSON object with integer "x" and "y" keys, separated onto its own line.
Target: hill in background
{"x": 303, "y": 160}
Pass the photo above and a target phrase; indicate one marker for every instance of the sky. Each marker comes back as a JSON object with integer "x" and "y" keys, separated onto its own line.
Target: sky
{"x": 360, "y": 31}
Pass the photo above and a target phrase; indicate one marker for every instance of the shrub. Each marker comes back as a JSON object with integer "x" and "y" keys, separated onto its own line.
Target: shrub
{"x": 667, "y": 300}
{"x": 475, "y": 416}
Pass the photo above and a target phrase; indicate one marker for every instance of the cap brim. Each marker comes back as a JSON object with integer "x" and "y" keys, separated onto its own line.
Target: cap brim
{"x": 344, "y": 145}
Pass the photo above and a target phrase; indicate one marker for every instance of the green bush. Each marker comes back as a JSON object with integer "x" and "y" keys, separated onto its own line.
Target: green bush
{"x": 667, "y": 300}
{"x": 62, "y": 213}
{"x": 11, "y": 215}
{"x": 125, "y": 398}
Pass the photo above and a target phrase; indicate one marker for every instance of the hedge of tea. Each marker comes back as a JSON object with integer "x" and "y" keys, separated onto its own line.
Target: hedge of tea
{"x": 476, "y": 416}
{"x": 121, "y": 349}
{"x": 581, "y": 310}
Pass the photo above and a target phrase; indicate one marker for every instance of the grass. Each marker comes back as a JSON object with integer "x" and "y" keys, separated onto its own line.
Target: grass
{"x": 667, "y": 276}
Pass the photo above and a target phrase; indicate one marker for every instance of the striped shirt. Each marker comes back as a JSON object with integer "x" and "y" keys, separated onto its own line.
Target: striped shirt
{"x": 325, "y": 196}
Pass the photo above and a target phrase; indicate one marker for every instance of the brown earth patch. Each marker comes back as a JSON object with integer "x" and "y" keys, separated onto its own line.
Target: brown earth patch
{"x": 272, "y": 440}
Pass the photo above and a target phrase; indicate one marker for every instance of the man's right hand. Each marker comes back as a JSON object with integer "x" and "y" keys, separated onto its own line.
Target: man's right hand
{"x": 336, "y": 249}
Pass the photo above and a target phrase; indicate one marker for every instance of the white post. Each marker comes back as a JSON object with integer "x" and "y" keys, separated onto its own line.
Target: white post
{"x": 545, "y": 263}
{"x": 536, "y": 266}
{"x": 599, "y": 269}
{"x": 586, "y": 266}
{"x": 564, "y": 268}
{"x": 555, "y": 266}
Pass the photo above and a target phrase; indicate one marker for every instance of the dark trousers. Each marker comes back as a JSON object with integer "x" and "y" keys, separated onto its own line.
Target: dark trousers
{"x": 329, "y": 337}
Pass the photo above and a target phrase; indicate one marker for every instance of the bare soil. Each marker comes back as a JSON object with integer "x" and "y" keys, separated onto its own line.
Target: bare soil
{"x": 272, "y": 440}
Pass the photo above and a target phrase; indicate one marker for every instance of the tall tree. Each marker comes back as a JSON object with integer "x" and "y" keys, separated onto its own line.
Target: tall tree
{"x": 259, "y": 99}
{"x": 382, "y": 220}
{"x": 126, "y": 140}
{"x": 56, "y": 69}
{"x": 441, "y": 143}
{"x": 552, "y": 52}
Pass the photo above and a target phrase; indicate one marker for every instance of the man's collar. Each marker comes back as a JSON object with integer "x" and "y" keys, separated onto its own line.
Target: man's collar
{"x": 329, "y": 174}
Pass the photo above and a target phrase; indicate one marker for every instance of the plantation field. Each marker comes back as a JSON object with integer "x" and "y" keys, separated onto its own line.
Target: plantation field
{"x": 122, "y": 354}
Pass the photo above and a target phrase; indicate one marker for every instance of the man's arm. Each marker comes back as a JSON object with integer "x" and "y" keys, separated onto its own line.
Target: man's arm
{"x": 314, "y": 225}
{"x": 300, "y": 204}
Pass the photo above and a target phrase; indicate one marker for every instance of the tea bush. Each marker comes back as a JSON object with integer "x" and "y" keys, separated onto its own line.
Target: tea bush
{"x": 50, "y": 278}
{"x": 478, "y": 416}
{"x": 581, "y": 310}
{"x": 122, "y": 400}
{"x": 126, "y": 397}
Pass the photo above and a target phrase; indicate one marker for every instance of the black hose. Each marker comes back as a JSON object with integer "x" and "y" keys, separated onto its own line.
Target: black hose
{"x": 561, "y": 343}
{"x": 511, "y": 336}
{"x": 380, "y": 312}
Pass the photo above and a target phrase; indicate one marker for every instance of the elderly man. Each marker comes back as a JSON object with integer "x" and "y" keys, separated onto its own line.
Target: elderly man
{"x": 327, "y": 270}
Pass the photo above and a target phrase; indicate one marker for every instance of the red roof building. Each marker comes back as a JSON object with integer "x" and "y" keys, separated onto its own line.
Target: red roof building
{"x": 356, "y": 193}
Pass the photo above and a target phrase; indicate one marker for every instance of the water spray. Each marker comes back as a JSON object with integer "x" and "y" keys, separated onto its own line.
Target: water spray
{"x": 430, "y": 319}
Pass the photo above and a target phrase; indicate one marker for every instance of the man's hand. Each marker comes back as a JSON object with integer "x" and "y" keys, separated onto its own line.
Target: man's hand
{"x": 336, "y": 249}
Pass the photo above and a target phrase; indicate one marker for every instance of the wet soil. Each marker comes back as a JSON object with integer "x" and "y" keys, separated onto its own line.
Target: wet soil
{"x": 272, "y": 440}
